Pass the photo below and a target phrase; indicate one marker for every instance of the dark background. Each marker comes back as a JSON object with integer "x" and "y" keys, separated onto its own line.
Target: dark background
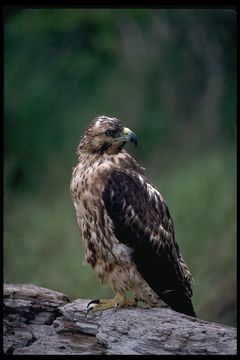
{"x": 170, "y": 76}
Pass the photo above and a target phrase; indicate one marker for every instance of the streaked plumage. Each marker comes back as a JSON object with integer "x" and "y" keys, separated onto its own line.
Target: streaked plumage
{"x": 126, "y": 227}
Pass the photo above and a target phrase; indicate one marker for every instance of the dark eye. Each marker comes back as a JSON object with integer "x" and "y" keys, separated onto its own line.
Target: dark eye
{"x": 109, "y": 132}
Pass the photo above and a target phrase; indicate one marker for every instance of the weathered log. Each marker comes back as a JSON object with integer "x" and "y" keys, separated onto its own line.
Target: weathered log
{"x": 42, "y": 321}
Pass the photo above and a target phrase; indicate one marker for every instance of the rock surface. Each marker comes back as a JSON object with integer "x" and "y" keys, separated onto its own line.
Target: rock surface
{"x": 42, "y": 321}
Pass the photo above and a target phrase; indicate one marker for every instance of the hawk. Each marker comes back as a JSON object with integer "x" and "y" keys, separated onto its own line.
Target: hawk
{"x": 126, "y": 228}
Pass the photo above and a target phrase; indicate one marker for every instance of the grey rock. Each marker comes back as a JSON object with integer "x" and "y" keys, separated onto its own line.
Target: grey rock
{"x": 42, "y": 321}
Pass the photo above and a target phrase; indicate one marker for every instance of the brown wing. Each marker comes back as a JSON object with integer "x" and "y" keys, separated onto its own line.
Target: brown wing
{"x": 142, "y": 221}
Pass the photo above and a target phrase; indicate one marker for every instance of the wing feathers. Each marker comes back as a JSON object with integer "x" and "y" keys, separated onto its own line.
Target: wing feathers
{"x": 142, "y": 221}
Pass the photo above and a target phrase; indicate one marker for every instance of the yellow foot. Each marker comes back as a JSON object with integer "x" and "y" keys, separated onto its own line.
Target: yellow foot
{"x": 104, "y": 304}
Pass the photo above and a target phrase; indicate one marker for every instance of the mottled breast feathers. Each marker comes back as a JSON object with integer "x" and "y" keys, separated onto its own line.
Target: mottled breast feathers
{"x": 142, "y": 221}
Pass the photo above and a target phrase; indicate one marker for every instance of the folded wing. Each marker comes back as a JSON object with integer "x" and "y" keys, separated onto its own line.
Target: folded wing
{"x": 142, "y": 221}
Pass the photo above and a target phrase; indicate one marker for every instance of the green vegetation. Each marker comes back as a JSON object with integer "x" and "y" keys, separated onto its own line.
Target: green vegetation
{"x": 204, "y": 211}
{"x": 170, "y": 76}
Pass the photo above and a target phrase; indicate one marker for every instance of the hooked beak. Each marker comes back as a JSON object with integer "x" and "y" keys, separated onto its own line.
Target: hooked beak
{"x": 129, "y": 135}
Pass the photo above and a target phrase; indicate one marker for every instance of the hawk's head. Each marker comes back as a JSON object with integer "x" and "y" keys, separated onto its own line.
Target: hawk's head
{"x": 106, "y": 135}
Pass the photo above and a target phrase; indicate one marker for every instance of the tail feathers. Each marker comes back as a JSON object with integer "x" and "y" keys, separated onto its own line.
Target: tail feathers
{"x": 179, "y": 302}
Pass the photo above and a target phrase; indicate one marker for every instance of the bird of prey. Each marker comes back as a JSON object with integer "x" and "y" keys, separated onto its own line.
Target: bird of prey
{"x": 126, "y": 228}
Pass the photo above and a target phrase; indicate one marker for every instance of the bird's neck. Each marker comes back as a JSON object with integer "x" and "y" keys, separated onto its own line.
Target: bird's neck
{"x": 122, "y": 159}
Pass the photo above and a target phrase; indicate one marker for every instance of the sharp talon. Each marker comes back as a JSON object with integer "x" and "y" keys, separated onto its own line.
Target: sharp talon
{"x": 96, "y": 301}
{"x": 88, "y": 311}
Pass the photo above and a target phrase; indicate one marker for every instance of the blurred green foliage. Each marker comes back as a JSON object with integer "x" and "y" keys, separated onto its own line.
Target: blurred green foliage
{"x": 169, "y": 74}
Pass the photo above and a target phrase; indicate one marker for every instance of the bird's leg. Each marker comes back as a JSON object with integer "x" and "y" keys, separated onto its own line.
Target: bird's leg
{"x": 119, "y": 300}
